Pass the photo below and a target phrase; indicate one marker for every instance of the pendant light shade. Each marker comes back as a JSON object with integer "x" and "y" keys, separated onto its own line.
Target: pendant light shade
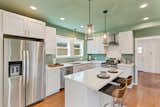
{"x": 89, "y": 27}
{"x": 105, "y": 33}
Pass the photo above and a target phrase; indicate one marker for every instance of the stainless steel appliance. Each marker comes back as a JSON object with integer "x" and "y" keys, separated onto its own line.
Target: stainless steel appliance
{"x": 24, "y": 71}
{"x": 65, "y": 71}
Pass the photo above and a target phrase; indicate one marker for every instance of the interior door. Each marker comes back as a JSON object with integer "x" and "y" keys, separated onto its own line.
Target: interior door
{"x": 35, "y": 81}
{"x": 14, "y": 78}
{"x": 148, "y": 55}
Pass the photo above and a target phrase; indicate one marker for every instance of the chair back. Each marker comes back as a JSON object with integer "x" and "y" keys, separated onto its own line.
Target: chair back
{"x": 129, "y": 80}
{"x": 119, "y": 92}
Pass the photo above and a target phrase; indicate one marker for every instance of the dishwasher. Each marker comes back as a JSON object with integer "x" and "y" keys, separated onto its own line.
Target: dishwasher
{"x": 65, "y": 71}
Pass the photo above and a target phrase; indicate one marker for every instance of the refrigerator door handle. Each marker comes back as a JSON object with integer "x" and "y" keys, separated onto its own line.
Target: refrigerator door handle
{"x": 24, "y": 63}
{"x": 27, "y": 66}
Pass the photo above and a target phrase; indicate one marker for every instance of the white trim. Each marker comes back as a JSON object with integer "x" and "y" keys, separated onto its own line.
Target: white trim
{"x": 150, "y": 37}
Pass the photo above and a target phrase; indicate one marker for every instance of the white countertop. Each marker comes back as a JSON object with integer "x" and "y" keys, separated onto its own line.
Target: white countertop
{"x": 65, "y": 65}
{"x": 69, "y": 64}
{"x": 89, "y": 78}
{"x": 126, "y": 65}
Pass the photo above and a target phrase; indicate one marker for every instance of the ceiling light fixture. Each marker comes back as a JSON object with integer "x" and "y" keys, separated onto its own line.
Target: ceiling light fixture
{"x": 62, "y": 18}
{"x": 143, "y": 5}
{"x": 105, "y": 34}
{"x": 146, "y": 18}
{"x": 90, "y": 28}
{"x": 33, "y": 7}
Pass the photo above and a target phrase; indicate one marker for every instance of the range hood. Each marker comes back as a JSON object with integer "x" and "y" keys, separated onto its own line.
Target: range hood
{"x": 114, "y": 39}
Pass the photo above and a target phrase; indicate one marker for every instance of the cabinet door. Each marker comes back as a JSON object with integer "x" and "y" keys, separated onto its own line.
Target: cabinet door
{"x": 13, "y": 24}
{"x": 126, "y": 42}
{"x": 36, "y": 29}
{"x": 53, "y": 81}
{"x": 96, "y": 46}
{"x": 90, "y": 47}
{"x": 50, "y": 40}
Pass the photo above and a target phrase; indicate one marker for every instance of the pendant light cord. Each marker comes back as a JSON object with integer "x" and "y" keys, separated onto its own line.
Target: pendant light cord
{"x": 89, "y": 11}
{"x": 105, "y": 20}
{"x": 105, "y": 24}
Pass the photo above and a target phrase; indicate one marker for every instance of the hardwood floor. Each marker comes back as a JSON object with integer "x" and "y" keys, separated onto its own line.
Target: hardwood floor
{"x": 146, "y": 94}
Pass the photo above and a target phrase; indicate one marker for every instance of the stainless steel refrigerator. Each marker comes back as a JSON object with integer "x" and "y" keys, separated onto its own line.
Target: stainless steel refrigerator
{"x": 24, "y": 71}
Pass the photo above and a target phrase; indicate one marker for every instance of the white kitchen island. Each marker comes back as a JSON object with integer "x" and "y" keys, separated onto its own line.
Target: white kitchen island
{"x": 82, "y": 88}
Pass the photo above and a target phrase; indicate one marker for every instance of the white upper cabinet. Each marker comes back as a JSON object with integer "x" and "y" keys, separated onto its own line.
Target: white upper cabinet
{"x": 36, "y": 28}
{"x": 13, "y": 24}
{"x": 50, "y": 40}
{"x": 126, "y": 42}
{"x": 96, "y": 45}
{"x": 18, "y": 25}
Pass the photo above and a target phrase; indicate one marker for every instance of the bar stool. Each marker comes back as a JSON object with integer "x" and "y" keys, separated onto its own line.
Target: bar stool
{"x": 117, "y": 92}
{"x": 120, "y": 80}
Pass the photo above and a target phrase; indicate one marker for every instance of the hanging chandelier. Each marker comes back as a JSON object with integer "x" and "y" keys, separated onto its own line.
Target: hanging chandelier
{"x": 89, "y": 27}
{"x": 105, "y": 33}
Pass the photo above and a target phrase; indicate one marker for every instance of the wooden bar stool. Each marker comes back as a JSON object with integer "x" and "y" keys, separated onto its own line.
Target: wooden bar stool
{"x": 117, "y": 92}
{"x": 120, "y": 80}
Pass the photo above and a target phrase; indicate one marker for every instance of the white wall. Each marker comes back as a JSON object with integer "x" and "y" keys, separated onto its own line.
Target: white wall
{"x": 1, "y": 60}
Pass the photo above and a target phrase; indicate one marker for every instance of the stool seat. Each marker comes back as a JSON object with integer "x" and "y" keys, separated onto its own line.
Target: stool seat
{"x": 120, "y": 80}
{"x": 109, "y": 88}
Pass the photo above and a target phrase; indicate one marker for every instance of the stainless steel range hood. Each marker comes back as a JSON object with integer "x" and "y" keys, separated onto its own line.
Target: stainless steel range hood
{"x": 114, "y": 39}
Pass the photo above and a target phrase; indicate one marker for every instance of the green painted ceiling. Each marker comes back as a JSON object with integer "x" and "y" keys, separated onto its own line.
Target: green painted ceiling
{"x": 122, "y": 13}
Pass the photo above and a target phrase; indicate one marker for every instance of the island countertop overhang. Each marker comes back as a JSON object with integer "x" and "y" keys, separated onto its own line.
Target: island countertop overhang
{"x": 89, "y": 78}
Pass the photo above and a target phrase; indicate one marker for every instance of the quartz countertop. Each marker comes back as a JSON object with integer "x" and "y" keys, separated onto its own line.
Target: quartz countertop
{"x": 89, "y": 78}
{"x": 70, "y": 64}
{"x": 59, "y": 67}
{"x": 126, "y": 65}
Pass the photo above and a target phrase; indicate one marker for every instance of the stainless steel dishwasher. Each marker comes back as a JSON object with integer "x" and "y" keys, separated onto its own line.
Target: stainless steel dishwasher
{"x": 65, "y": 71}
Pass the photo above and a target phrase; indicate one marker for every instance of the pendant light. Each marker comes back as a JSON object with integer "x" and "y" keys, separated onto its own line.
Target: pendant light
{"x": 105, "y": 33}
{"x": 90, "y": 28}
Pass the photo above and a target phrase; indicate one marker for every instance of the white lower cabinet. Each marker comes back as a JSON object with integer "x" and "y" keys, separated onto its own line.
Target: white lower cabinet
{"x": 52, "y": 81}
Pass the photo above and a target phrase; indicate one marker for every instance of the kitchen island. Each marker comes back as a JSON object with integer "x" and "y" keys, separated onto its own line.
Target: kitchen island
{"x": 82, "y": 88}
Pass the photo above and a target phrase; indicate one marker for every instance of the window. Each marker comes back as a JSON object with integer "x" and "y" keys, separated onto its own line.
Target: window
{"x": 68, "y": 47}
{"x": 139, "y": 50}
{"x": 78, "y": 48}
{"x": 63, "y": 47}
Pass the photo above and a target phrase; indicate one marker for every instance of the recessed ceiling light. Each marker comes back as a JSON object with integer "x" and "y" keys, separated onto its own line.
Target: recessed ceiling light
{"x": 62, "y": 18}
{"x": 82, "y": 26}
{"x": 33, "y": 7}
{"x": 143, "y": 5}
{"x": 146, "y": 18}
